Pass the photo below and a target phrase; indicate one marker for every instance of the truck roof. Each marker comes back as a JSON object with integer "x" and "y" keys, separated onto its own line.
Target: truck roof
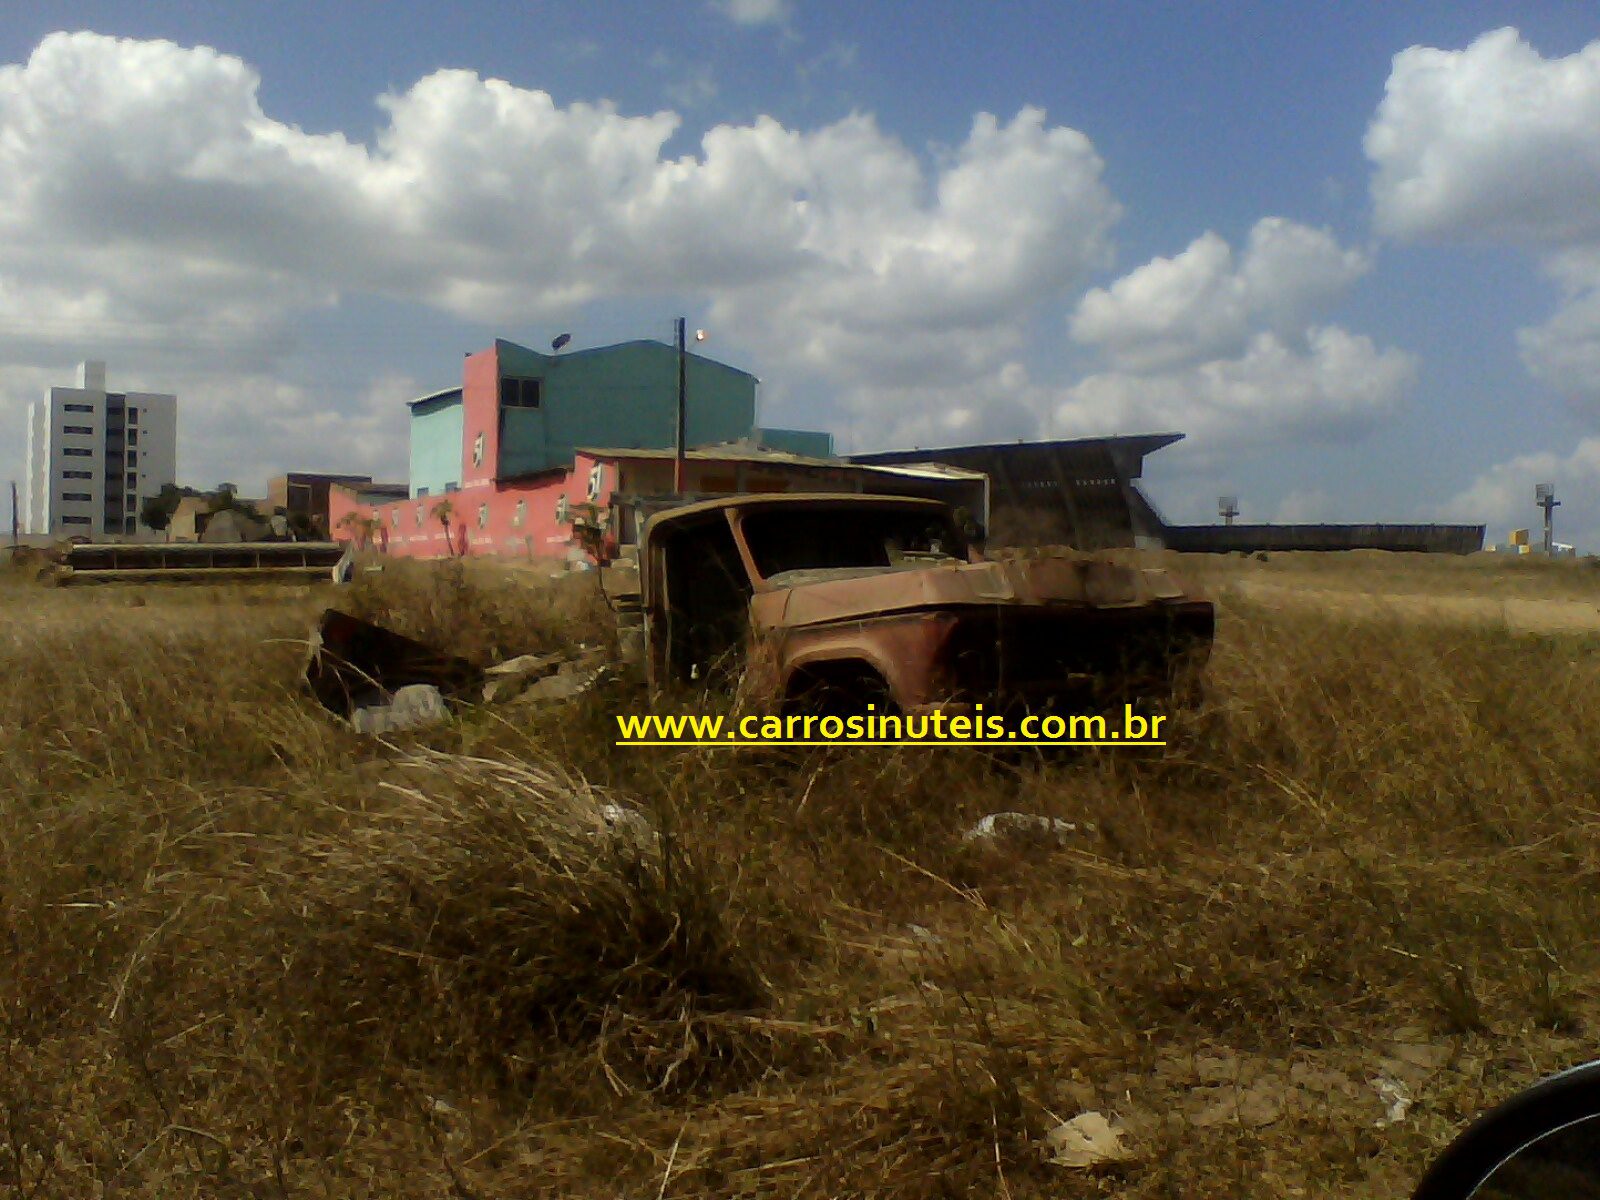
{"x": 792, "y": 499}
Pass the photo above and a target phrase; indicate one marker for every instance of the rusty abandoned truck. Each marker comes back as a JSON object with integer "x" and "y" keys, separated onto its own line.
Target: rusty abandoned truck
{"x": 831, "y": 602}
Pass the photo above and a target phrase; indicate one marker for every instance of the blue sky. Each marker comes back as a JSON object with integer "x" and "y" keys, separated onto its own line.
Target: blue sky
{"x": 1355, "y": 257}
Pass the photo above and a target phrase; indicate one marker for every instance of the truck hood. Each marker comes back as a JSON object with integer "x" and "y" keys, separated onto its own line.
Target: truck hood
{"x": 826, "y": 596}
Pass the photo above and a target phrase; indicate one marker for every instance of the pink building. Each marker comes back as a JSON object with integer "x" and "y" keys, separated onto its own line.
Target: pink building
{"x": 535, "y": 455}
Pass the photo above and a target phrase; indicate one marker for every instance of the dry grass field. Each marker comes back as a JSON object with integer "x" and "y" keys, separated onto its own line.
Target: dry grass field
{"x": 248, "y": 952}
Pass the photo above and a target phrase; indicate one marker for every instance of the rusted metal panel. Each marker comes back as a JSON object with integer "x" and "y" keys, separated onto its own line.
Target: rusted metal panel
{"x": 352, "y": 662}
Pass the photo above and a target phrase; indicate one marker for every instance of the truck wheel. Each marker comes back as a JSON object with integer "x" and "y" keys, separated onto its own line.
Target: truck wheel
{"x": 838, "y": 690}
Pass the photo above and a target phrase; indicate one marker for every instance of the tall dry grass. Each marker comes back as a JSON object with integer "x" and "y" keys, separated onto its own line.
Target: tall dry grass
{"x": 251, "y": 953}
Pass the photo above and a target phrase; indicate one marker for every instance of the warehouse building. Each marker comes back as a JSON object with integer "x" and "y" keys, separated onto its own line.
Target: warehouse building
{"x": 1085, "y": 493}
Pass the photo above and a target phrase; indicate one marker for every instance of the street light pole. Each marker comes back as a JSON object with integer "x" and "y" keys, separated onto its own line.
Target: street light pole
{"x": 678, "y": 462}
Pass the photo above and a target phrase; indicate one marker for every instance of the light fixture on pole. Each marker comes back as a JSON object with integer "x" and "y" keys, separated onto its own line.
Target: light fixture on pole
{"x": 1544, "y": 495}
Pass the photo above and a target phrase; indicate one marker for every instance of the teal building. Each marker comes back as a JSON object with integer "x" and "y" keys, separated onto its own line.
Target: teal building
{"x": 537, "y": 410}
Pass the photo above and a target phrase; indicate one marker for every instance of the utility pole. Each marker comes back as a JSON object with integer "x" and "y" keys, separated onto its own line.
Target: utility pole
{"x": 14, "y": 529}
{"x": 1544, "y": 495}
{"x": 678, "y": 462}
{"x": 1227, "y": 508}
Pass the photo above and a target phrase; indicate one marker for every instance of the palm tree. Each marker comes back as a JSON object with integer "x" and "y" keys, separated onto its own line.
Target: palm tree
{"x": 442, "y": 512}
{"x": 359, "y": 526}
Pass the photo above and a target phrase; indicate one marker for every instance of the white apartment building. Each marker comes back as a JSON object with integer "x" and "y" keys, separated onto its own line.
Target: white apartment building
{"x": 95, "y": 456}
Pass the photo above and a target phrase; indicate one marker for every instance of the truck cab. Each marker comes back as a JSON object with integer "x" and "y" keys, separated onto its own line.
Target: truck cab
{"x": 838, "y": 601}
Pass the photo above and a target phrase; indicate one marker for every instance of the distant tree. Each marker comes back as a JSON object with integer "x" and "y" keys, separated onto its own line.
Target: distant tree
{"x": 225, "y": 496}
{"x": 589, "y": 530}
{"x": 360, "y": 527}
{"x": 156, "y": 512}
{"x": 303, "y": 527}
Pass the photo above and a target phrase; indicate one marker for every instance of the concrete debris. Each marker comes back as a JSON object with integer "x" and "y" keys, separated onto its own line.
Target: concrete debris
{"x": 1413, "y": 1062}
{"x": 571, "y": 680}
{"x": 1226, "y": 1067}
{"x": 1397, "y": 1100}
{"x": 624, "y": 824}
{"x": 526, "y": 664}
{"x": 508, "y": 679}
{"x": 356, "y": 666}
{"x": 1260, "y": 1104}
{"x": 1012, "y": 824}
{"x": 1325, "y": 1082}
{"x": 1088, "y": 1140}
{"x": 413, "y": 707}
{"x": 1224, "y": 1088}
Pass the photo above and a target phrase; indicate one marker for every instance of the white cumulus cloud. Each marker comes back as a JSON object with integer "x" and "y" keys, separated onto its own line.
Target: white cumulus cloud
{"x": 1337, "y": 386}
{"x": 148, "y": 202}
{"x": 755, "y": 12}
{"x": 1494, "y": 141}
{"x": 1226, "y": 347}
{"x": 1497, "y": 143}
{"x": 1202, "y": 303}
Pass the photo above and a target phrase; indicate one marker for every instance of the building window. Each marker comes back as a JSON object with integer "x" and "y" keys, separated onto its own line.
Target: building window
{"x": 483, "y": 515}
{"x": 77, "y": 429}
{"x": 77, "y": 474}
{"x": 477, "y": 451}
{"x": 452, "y": 487}
{"x": 76, "y": 496}
{"x": 76, "y": 521}
{"x": 133, "y": 479}
{"x": 77, "y": 452}
{"x": 88, "y": 408}
{"x": 521, "y": 514}
{"x": 133, "y": 458}
{"x": 133, "y": 437}
{"x": 422, "y": 491}
{"x": 519, "y": 393}
{"x": 133, "y": 415}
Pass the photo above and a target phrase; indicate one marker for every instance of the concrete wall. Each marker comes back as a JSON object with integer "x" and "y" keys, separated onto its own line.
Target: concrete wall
{"x": 622, "y": 396}
{"x": 435, "y": 447}
{"x": 156, "y": 448}
{"x": 513, "y": 519}
{"x": 810, "y": 442}
{"x": 520, "y": 517}
{"x": 1222, "y": 539}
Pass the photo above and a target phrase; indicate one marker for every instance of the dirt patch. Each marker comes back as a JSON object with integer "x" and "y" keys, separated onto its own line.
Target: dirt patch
{"x": 1517, "y": 615}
